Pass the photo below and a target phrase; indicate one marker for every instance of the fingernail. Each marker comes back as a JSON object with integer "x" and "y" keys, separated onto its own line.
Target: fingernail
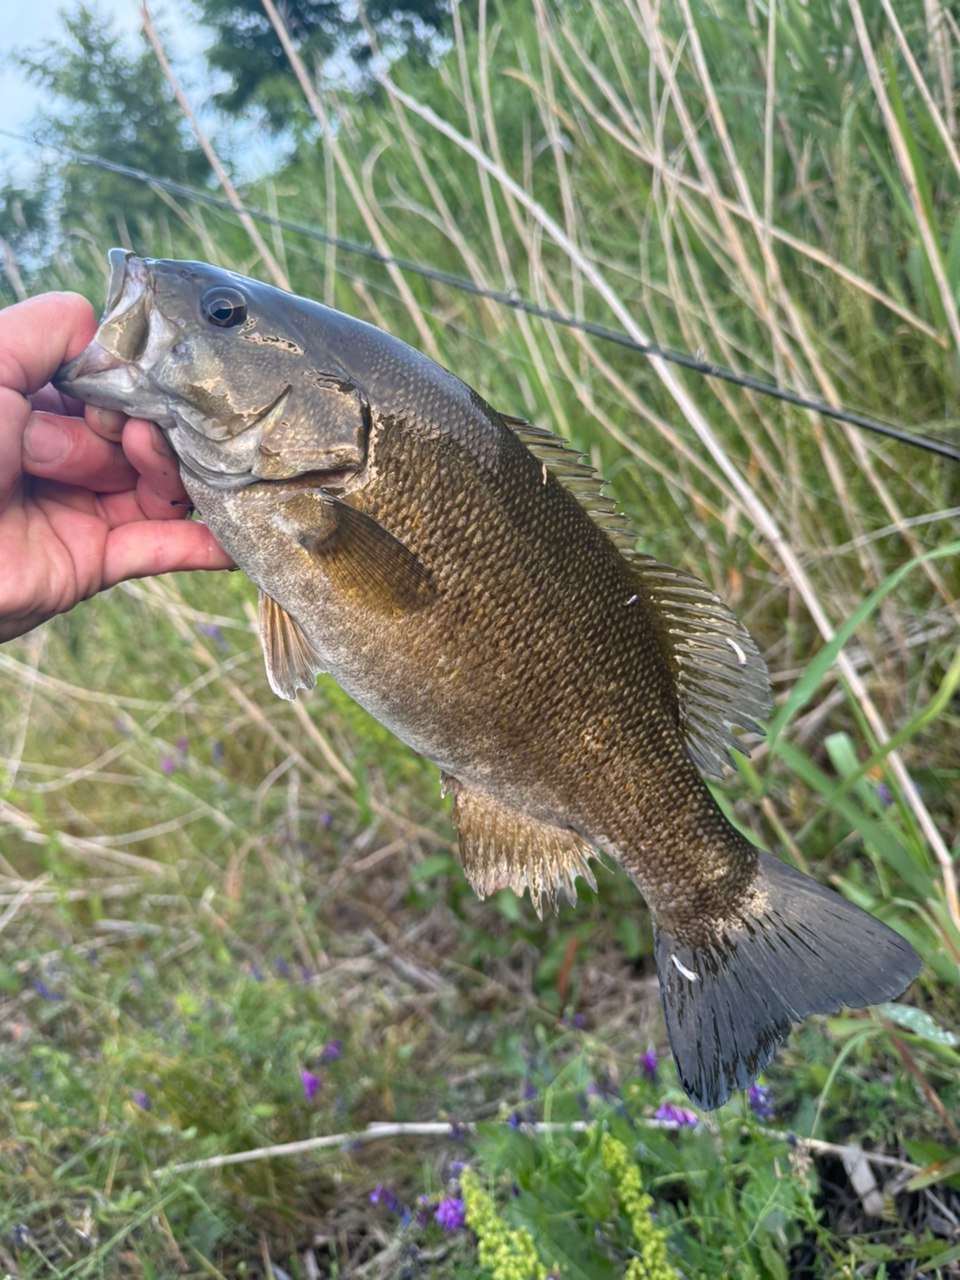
{"x": 111, "y": 422}
{"x": 44, "y": 442}
{"x": 159, "y": 442}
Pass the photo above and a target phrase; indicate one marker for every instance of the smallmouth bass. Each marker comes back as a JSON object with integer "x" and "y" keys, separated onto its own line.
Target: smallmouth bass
{"x": 460, "y": 574}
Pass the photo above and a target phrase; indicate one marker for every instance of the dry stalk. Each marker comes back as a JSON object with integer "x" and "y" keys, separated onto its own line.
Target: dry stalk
{"x": 229, "y": 190}
{"x": 905, "y": 164}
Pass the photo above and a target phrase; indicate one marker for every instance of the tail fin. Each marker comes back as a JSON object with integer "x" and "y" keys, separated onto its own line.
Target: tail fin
{"x": 796, "y": 948}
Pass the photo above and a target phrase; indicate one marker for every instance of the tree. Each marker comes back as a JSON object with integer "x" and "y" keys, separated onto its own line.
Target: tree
{"x": 116, "y": 105}
{"x": 248, "y": 51}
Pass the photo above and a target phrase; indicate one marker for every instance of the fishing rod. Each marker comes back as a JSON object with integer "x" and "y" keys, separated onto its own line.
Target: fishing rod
{"x": 513, "y": 299}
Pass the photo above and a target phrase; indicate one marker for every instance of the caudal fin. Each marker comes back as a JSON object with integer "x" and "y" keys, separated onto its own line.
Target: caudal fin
{"x": 796, "y": 949}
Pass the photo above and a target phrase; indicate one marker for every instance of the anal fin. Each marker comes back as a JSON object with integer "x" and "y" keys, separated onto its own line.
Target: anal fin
{"x": 503, "y": 848}
{"x": 291, "y": 661}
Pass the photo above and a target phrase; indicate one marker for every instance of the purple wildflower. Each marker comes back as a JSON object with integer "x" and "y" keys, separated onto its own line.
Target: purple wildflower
{"x": 758, "y": 1095}
{"x": 311, "y": 1084}
{"x": 142, "y": 1100}
{"x": 382, "y": 1195}
{"x": 884, "y": 795}
{"x": 213, "y": 631}
{"x": 331, "y": 1051}
{"x": 255, "y": 973}
{"x": 676, "y": 1115}
{"x": 44, "y": 991}
{"x": 168, "y": 764}
{"x": 648, "y": 1065}
{"x": 450, "y": 1214}
{"x": 183, "y": 746}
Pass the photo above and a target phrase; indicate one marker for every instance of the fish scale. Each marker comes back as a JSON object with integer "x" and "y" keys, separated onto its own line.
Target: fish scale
{"x": 461, "y": 574}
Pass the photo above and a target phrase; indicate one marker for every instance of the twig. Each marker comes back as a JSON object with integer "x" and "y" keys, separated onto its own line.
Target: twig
{"x": 446, "y": 1129}
{"x": 25, "y": 895}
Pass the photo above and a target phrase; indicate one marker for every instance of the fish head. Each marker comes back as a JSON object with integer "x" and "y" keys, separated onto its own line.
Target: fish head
{"x": 235, "y": 372}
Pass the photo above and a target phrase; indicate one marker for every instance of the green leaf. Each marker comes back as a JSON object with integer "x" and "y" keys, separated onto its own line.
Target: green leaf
{"x": 920, "y": 1023}
{"x": 819, "y": 665}
{"x": 432, "y": 867}
{"x": 941, "y": 1171}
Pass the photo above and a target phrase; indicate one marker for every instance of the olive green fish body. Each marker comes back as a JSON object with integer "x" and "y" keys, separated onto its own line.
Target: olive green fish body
{"x": 461, "y": 575}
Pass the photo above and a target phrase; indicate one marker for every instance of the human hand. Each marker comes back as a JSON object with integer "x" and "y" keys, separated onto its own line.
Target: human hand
{"x": 87, "y": 496}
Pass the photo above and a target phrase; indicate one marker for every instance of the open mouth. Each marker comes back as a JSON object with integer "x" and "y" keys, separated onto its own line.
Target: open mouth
{"x": 131, "y": 335}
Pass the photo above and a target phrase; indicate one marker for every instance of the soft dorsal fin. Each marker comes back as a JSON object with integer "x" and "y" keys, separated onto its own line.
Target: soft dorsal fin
{"x": 290, "y": 659}
{"x": 502, "y": 848}
{"x": 721, "y": 678}
{"x": 566, "y": 463}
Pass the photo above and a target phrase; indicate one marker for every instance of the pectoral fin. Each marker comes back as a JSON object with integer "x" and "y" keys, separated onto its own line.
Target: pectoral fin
{"x": 503, "y": 848}
{"x": 291, "y": 661}
{"x": 364, "y": 560}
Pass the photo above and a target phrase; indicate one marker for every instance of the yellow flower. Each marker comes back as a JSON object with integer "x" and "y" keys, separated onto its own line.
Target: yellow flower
{"x": 510, "y": 1254}
{"x": 650, "y": 1240}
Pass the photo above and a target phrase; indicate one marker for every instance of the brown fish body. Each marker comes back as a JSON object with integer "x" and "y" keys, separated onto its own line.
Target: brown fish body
{"x": 460, "y": 575}
{"x": 538, "y": 684}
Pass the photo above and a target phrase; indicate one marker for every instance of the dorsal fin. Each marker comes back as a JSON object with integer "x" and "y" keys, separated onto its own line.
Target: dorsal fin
{"x": 503, "y": 848}
{"x": 566, "y": 463}
{"x": 721, "y": 678}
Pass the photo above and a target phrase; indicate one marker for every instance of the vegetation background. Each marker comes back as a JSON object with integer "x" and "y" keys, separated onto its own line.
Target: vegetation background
{"x": 228, "y": 922}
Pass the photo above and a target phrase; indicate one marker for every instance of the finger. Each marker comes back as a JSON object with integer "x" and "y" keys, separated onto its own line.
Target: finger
{"x": 66, "y": 450}
{"x": 38, "y": 335}
{"x": 160, "y": 546}
{"x": 108, "y": 423}
{"x": 160, "y": 490}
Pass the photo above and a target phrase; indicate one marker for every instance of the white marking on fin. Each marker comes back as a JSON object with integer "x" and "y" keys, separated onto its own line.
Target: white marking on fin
{"x": 633, "y": 600}
{"x": 543, "y": 474}
{"x": 741, "y": 656}
{"x": 687, "y": 973}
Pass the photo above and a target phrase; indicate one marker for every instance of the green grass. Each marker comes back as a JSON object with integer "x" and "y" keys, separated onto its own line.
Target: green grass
{"x": 202, "y": 887}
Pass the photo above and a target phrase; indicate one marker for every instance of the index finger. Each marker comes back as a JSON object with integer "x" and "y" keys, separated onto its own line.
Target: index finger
{"x": 38, "y": 335}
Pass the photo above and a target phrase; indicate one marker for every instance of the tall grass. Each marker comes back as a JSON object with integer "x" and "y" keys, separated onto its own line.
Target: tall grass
{"x": 201, "y": 887}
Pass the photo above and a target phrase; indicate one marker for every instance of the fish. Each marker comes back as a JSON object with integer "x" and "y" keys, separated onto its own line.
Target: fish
{"x": 461, "y": 574}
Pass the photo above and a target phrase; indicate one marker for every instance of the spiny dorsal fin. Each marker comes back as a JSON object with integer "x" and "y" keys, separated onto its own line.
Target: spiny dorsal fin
{"x": 502, "y": 848}
{"x": 721, "y": 678}
{"x": 291, "y": 661}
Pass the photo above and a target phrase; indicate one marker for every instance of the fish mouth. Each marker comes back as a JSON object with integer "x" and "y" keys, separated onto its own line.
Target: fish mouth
{"x": 133, "y": 335}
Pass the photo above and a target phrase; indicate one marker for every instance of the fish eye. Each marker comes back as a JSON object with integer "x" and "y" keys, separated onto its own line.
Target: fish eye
{"x": 223, "y": 307}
